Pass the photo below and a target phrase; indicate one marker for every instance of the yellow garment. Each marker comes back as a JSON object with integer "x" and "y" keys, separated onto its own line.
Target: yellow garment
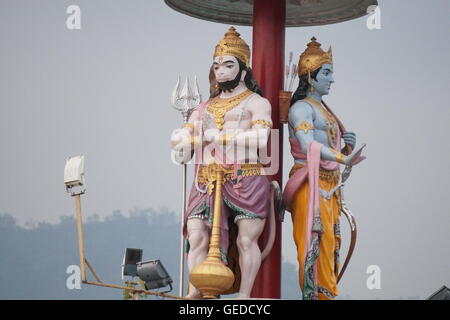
{"x": 328, "y": 260}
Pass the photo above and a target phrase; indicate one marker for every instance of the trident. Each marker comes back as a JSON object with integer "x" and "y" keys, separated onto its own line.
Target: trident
{"x": 184, "y": 101}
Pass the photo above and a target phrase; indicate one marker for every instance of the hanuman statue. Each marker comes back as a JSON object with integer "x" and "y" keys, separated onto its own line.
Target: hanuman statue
{"x": 235, "y": 117}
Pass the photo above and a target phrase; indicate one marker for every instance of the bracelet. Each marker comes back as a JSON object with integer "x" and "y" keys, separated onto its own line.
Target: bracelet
{"x": 193, "y": 140}
{"x": 263, "y": 123}
{"x": 339, "y": 156}
{"x": 188, "y": 125}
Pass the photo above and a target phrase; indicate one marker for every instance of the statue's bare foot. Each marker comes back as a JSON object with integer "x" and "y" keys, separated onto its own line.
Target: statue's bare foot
{"x": 194, "y": 295}
{"x": 243, "y": 296}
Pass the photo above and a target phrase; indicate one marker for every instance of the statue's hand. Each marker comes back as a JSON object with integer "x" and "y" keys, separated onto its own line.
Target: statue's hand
{"x": 355, "y": 157}
{"x": 178, "y": 139}
{"x": 349, "y": 138}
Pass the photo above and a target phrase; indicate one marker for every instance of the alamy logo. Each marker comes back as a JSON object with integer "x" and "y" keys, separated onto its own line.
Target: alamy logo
{"x": 374, "y": 19}
{"x": 74, "y": 280}
{"x": 73, "y": 21}
{"x": 374, "y": 280}
{"x": 243, "y": 147}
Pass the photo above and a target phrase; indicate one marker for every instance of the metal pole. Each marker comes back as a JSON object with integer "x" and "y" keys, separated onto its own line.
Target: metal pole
{"x": 136, "y": 296}
{"x": 80, "y": 237}
{"x": 183, "y": 202}
{"x": 153, "y": 293}
{"x": 183, "y": 212}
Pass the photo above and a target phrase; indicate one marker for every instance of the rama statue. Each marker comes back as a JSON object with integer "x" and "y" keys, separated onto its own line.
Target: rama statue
{"x": 312, "y": 193}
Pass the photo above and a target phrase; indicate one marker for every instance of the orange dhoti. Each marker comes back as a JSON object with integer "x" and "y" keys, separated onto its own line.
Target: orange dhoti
{"x": 330, "y": 240}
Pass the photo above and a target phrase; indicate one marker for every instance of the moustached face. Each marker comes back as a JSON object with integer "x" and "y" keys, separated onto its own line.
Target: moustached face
{"x": 226, "y": 68}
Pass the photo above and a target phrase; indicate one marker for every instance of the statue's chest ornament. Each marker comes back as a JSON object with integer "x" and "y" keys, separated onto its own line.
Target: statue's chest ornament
{"x": 330, "y": 122}
{"x": 218, "y": 106}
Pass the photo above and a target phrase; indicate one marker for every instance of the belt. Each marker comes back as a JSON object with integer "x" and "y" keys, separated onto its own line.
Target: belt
{"x": 207, "y": 173}
{"x": 327, "y": 175}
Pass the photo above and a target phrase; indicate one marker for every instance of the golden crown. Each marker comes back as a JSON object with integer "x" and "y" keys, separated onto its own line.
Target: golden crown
{"x": 233, "y": 45}
{"x": 313, "y": 58}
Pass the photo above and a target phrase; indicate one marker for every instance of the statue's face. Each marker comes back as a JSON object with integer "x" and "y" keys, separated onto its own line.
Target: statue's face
{"x": 324, "y": 79}
{"x": 226, "y": 68}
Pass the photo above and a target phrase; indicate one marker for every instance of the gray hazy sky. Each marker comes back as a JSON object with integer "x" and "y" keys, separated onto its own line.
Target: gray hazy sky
{"x": 103, "y": 91}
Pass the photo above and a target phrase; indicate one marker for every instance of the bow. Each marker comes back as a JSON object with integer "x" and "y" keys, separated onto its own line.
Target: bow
{"x": 351, "y": 220}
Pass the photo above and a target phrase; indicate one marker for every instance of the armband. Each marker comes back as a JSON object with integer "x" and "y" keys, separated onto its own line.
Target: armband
{"x": 305, "y": 126}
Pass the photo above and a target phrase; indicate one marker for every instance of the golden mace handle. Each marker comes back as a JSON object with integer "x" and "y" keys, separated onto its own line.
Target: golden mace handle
{"x": 214, "y": 245}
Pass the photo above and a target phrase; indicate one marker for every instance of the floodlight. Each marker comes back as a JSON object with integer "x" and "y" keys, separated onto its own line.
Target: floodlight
{"x": 74, "y": 172}
{"x": 442, "y": 294}
{"x": 154, "y": 275}
{"x": 130, "y": 259}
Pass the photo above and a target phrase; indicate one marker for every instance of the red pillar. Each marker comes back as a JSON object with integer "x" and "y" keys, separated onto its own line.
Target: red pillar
{"x": 268, "y": 67}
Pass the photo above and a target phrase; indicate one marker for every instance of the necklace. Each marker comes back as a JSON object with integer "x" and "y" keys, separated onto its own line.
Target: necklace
{"x": 219, "y": 106}
{"x": 330, "y": 122}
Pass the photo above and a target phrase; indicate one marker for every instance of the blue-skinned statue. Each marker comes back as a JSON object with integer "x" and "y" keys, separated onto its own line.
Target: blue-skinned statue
{"x": 312, "y": 193}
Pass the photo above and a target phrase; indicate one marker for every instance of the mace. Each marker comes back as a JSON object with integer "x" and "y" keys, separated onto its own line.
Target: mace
{"x": 212, "y": 277}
